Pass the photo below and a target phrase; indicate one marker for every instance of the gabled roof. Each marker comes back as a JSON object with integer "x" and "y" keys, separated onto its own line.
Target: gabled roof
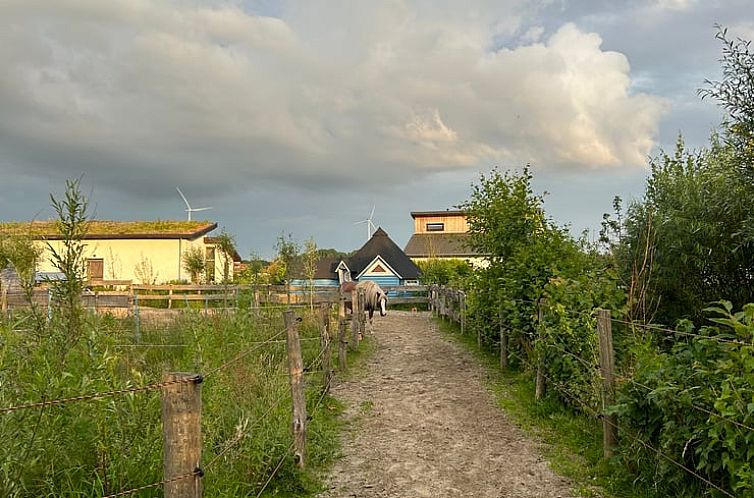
{"x": 426, "y": 245}
{"x": 377, "y": 262}
{"x": 106, "y": 229}
{"x": 381, "y": 245}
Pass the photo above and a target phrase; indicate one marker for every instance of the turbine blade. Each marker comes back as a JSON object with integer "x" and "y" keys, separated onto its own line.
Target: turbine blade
{"x": 183, "y": 197}
{"x": 371, "y": 215}
{"x": 202, "y": 209}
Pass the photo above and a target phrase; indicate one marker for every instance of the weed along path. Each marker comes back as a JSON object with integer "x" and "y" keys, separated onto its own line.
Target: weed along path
{"x": 422, "y": 424}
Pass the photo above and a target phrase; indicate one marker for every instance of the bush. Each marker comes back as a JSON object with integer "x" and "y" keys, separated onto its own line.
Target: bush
{"x": 444, "y": 271}
{"x": 695, "y": 405}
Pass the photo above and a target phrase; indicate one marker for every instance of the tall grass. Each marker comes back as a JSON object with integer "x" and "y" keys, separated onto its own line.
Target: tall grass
{"x": 103, "y": 446}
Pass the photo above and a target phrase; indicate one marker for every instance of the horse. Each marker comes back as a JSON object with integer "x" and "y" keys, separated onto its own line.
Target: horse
{"x": 374, "y": 298}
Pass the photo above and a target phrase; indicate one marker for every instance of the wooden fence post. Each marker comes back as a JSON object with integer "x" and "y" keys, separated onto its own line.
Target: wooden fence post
{"x": 182, "y": 434}
{"x": 296, "y": 371}
{"x": 342, "y": 340}
{"x": 503, "y": 341}
{"x": 607, "y": 368}
{"x": 539, "y": 390}
{"x": 325, "y": 344}
{"x": 463, "y": 312}
{"x": 137, "y": 319}
{"x": 362, "y": 313}
{"x": 355, "y": 310}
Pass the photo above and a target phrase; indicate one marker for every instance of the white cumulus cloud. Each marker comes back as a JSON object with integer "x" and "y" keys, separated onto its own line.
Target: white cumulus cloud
{"x": 142, "y": 91}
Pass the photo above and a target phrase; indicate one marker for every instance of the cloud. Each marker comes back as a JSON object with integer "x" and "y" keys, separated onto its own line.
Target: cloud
{"x": 141, "y": 93}
{"x": 675, "y": 5}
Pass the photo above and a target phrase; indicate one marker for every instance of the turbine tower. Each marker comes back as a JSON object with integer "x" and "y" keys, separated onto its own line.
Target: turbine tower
{"x": 189, "y": 209}
{"x": 369, "y": 223}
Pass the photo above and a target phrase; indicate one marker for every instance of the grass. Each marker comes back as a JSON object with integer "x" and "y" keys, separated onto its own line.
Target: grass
{"x": 114, "y": 444}
{"x": 106, "y": 227}
{"x": 572, "y": 441}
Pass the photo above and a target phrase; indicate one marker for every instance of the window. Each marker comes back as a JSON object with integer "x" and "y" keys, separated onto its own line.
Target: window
{"x": 95, "y": 269}
{"x": 435, "y": 227}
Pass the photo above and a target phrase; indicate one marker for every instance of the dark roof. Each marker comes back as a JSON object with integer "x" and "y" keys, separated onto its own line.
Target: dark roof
{"x": 381, "y": 245}
{"x": 425, "y": 245}
{"x": 447, "y": 212}
{"x": 107, "y": 229}
{"x": 326, "y": 268}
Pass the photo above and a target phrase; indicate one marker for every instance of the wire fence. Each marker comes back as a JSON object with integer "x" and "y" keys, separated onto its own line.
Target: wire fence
{"x": 601, "y": 384}
{"x": 186, "y": 332}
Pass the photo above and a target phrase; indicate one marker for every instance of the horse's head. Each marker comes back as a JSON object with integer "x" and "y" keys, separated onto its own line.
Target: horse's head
{"x": 382, "y": 299}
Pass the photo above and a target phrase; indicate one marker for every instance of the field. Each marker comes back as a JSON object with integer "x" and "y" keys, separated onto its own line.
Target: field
{"x": 80, "y": 414}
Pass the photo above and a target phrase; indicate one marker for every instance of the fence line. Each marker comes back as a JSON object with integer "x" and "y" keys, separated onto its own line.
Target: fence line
{"x": 683, "y": 333}
{"x": 617, "y": 427}
{"x": 243, "y": 354}
{"x": 243, "y": 434}
{"x": 442, "y": 303}
{"x": 194, "y": 473}
{"x": 97, "y": 395}
{"x": 693, "y": 405}
{"x": 276, "y": 470}
{"x": 228, "y": 445}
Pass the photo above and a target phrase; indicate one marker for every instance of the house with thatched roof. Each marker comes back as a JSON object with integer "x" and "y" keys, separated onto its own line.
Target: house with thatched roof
{"x": 144, "y": 252}
{"x": 380, "y": 260}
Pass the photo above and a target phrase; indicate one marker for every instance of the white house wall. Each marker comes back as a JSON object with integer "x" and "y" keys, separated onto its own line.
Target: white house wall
{"x": 122, "y": 257}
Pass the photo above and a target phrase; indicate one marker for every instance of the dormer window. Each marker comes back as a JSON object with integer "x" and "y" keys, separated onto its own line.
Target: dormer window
{"x": 435, "y": 227}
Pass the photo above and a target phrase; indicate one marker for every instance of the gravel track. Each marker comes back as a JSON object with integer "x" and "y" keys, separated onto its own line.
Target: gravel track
{"x": 424, "y": 425}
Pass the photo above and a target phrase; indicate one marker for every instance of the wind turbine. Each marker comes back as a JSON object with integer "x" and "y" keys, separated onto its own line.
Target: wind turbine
{"x": 189, "y": 209}
{"x": 369, "y": 223}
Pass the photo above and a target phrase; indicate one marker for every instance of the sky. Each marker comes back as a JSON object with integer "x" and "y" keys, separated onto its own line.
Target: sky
{"x": 299, "y": 117}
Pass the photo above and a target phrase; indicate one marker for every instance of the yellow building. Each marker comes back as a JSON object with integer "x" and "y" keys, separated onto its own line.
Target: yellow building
{"x": 144, "y": 252}
{"x": 442, "y": 235}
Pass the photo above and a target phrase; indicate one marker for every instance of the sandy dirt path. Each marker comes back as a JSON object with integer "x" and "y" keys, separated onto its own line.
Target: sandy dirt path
{"x": 423, "y": 425}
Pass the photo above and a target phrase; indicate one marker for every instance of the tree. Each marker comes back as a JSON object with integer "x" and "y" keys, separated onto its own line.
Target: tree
{"x": 19, "y": 252}
{"x": 310, "y": 258}
{"x": 194, "y": 264}
{"x": 690, "y": 240}
{"x": 72, "y": 224}
{"x": 226, "y": 244}
{"x": 735, "y": 94}
{"x": 287, "y": 253}
{"x": 693, "y": 232}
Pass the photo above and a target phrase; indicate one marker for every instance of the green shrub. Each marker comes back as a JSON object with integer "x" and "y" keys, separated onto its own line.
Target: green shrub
{"x": 695, "y": 404}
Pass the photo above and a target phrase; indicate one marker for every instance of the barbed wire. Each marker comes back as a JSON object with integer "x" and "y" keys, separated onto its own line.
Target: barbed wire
{"x": 195, "y": 473}
{"x": 243, "y": 354}
{"x": 680, "y": 332}
{"x": 151, "y": 345}
{"x": 691, "y": 404}
{"x": 99, "y": 395}
{"x": 276, "y": 470}
{"x": 239, "y": 437}
{"x": 587, "y": 364}
{"x": 316, "y": 361}
{"x": 607, "y": 420}
{"x": 668, "y": 458}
